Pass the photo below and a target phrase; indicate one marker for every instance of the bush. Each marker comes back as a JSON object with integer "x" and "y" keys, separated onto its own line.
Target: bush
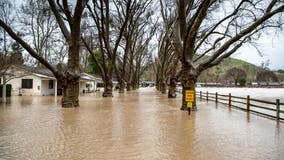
{"x": 242, "y": 82}
{"x": 8, "y": 90}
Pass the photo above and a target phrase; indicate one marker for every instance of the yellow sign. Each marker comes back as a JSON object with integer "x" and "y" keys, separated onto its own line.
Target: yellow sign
{"x": 189, "y": 95}
{"x": 189, "y": 104}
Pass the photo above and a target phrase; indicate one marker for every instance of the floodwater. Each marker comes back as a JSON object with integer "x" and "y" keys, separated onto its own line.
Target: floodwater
{"x": 269, "y": 94}
{"x": 139, "y": 125}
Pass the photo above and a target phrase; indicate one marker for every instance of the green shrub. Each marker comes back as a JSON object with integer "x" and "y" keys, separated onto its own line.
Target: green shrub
{"x": 242, "y": 82}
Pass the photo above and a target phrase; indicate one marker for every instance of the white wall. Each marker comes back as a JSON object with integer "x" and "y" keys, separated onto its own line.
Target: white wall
{"x": 44, "y": 88}
{"x": 83, "y": 86}
{"x": 17, "y": 84}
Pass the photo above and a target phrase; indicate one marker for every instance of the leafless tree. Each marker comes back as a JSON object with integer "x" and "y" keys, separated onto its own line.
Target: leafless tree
{"x": 208, "y": 31}
{"x": 65, "y": 14}
{"x": 110, "y": 29}
{"x": 139, "y": 57}
{"x": 134, "y": 37}
{"x": 6, "y": 59}
{"x": 39, "y": 26}
{"x": 163, "y": 62}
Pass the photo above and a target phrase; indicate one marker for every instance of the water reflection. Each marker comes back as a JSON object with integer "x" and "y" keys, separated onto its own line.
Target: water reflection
{"x": 248, "y": 116}
{"x": 136, "y": 125}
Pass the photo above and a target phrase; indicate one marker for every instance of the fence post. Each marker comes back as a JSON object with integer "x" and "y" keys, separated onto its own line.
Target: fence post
{"x": 230, "y": 100}
{"x": 200, "y": 95}
{"x": 207, "y": 95}
{"x": 216, "y": 97}
{"x": 277, "y": 109}
{"x": 248, "y": 103}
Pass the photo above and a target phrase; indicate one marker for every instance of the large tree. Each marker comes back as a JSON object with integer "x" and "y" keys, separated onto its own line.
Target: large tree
{"x": 64, "y": 16}
{"x": 207, "y": 31}
{"x": 139, "y": 57}
{"x": 163, "y": 62}
{"x": 110, "y": 26}
{"x": 136, "y": 36}
{"x": 40, "y": 27}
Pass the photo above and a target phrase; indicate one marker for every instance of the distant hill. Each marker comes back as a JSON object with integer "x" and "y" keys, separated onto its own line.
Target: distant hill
{"x": 217, "y": 73}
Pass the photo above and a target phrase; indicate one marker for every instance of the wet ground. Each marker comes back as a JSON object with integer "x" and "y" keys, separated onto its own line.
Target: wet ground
{"x": 137, "y": 125}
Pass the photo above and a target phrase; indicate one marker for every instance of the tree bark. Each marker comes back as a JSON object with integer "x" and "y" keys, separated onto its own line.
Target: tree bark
{"x": 121, "y": 86}
{"x": 163, "y": 87}
{"x": 70, "y": 91}
{"x": 128, "y": 87}
{"x": 108, "y": 87}
{"x": 172, "y": 88}
{"x": 173, "y": 80}
{"x": 157, "y": 85}
{"x": 188, "y": 80}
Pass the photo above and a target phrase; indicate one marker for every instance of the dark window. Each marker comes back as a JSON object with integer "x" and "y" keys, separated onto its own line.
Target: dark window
{"x": 50, "y": 84}
{"x": 27, "y": 83}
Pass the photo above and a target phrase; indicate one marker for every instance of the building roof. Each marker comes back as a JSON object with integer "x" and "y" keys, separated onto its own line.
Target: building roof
{"x": 46, "y": 73}
{"x": 36, "y": 70}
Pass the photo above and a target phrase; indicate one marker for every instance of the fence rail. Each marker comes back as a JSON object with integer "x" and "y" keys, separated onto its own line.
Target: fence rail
{"x": 249, "y": 104}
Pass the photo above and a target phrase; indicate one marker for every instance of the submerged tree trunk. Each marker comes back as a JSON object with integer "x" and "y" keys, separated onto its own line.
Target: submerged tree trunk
{"x": 188, "y": 80}
{"x": 121, "y": 86}
{"x": 128, "y": 87}
{"x": 108, "y": 87}
{"x": 70, "y": 96}
{"x": 173, "y": 80}
{"x": 70, "y": 91}
{"x": 157, "y": 84}
{"x": 163, "y": 87}
{"x": 172, "y": 88}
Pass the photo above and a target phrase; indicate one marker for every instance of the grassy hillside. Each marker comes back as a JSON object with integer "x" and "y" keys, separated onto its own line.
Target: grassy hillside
{"x": 217, "y": 73}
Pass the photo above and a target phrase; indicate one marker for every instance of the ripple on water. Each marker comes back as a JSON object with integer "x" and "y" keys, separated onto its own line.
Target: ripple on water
{"x": 135, "y": 125}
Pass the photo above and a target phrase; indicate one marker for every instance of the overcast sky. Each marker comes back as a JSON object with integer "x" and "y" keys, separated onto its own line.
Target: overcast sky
{"x": 271, "y": 46}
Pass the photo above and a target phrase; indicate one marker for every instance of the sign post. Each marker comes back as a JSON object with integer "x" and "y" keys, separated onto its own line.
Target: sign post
{"x": 189, "y": 98}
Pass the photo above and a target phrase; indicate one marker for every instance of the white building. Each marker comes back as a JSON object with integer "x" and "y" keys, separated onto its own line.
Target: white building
{"x": 34, "y": 81}
{"x": 88, "y": 83}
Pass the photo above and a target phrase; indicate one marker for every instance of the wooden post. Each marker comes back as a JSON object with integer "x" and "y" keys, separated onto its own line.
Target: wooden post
{"x": 200, "y": 95}
{"x": 277, "y": 109}
{"x": 216, "y": 97}
{"x": 230, "y": 100}
{"x": 207, "y": 95}
{"x": 248, "y": 103}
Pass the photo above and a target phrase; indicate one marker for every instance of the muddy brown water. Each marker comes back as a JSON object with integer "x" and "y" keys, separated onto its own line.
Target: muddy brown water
{"x": 138, "y": 125}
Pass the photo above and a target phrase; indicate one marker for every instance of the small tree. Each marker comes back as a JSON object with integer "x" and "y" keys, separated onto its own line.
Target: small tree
{"x": 6, "y": 58}
{"x": 266, "y": 76}
{"x": 242, "y": 82}
{"x": 235, "y": 74}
